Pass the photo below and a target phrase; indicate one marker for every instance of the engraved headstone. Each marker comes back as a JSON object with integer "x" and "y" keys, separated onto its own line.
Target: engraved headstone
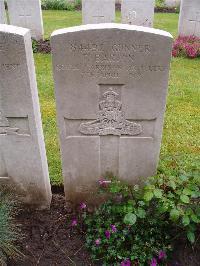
{"x": 138, "y": 12}
{"x": 189, "y": 19}
{"x": 22, "y": 150}
{"x": 98, "y": 11}
{"x": 3, "y": 19}
{"x": 111, "y": 86}
{"x": 27, "y": 14}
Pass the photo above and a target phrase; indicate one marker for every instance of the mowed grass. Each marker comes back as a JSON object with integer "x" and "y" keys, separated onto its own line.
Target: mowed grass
{"x": 54, "y": 20}
{"x": 181, "y": 141}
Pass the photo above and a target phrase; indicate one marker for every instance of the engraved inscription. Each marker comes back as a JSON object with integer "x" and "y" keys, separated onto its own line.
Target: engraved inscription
{"x": 5, "y": 126}
{"x": 110, "y": 60}
{"x": 131, "y": 16}
{"x": 111, "y": 119}
{"x": 196, "y": 22}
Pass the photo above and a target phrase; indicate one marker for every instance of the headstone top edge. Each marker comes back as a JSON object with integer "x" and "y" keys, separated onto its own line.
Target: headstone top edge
{"x": 111, "y": 26}
{"x": 13, "y": 29}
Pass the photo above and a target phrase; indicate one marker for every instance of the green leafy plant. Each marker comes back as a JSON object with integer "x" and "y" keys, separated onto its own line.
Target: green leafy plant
{"x": 34, "y": 46}
{"x": 178, "y": 196}
{"x": 9, "y": 232}
{"x": 160, "y": 3}
{"x": 138, "y": 225}
{"x": 60, "y": 4}
{"x": 127, "y": 229}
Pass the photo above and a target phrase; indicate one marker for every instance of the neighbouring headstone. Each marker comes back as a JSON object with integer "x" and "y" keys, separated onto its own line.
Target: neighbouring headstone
{"x": 3, "y": 19}
{"x": 172, "y": 3}
{"x": 98, "y": 11}
{"x": 189, "y": 19}
{"x": 22, "y": 151}
{"x": 111, "y": 86}
{"x": 27, "y": 14}
{"x": 138, "y": 12}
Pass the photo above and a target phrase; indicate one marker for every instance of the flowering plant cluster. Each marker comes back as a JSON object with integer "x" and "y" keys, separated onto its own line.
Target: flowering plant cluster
{"x": 137, "y": 225}
{"x": 187, "y": 46}
{"x": 126, "y": 230}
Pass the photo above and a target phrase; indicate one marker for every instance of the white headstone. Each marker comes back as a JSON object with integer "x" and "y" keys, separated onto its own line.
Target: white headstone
{"x": 111, "y": 86}
{"x": 22, "y": 150}
{"x": 172, "y": 3}
{"x": 138, "y": 12}
{"x": 98, "y": 11}
{"x": 27, "y": 14}
{"x": 3, "y": 19}
{"x": 189, "y": 19}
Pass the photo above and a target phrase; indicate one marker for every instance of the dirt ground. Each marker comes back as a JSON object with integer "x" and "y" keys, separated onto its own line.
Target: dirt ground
{"x": 50, "y": 241}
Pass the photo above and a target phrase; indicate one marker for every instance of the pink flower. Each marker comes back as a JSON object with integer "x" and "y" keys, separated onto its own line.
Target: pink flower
{"x": 103, "y": 182}
{"x": 191, "y": 51}
{"x": 83, "y": 206}
{"x": 107, "y": 234}
{"x": 113, "y": 228}
{"x": 174, "y": 53}
{"x": 74, "y": 222}
{"x": 153, "y": 262}
{"x": 162, "y": 255}
{"x": 98, "y": 241}
{"x": 126, "y": 263}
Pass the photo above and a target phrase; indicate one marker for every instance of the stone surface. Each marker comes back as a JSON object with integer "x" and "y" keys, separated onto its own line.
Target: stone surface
{"x": 22, "y": 150}
{"x": 189, "y": 19}
{"x": 27, "y": 14}
{"x": 172, "y": 3}
{"x": 3, "y": 19}
{"x": 138, "y": 12}
{"x": 111, "y": 86}
{"x": 98, "y": 11}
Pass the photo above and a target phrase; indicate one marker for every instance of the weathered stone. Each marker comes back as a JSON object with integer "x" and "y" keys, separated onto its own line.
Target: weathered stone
{"x": 98, "y": 11}
{"x": 27, "y": 14}
{"x": 138, "y": 12}
{"x": 172, "y": 3}
{"x": 189, "y": 19}
{"x": 111, "y": 86}
{"x": 3, "y": 19}
{"x": 22, "y": 150}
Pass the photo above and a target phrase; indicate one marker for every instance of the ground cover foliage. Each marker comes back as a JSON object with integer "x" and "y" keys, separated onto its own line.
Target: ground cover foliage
{"x": 138, "y": 225}
{"x": 60, "y": 4}
{"x": 186, "y": 46}
{"x": 9, "y": 231}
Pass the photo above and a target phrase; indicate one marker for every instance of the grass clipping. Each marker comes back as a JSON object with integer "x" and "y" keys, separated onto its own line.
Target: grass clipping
{"x": 9, "y": 231}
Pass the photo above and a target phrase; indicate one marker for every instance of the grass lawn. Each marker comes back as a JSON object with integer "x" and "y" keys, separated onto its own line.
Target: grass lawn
{"x": 181, "y": 140}
{"x": 54, "y": 20}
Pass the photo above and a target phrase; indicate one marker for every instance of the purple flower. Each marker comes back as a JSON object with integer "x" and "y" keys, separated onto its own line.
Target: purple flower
{"x": 107, "y": 234}
{"x": 153, "y": 262}
{"x": 162, "y": 255}
{"x": 98, "y": 241}
{"x": 126, "y": 263}
{"x": 74, "y": 222}
{"x": 83, "y": 206}
{"x": 113, "y": 228}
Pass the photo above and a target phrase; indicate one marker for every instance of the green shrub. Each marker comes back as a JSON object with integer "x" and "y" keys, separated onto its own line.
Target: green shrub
{"x": 178, "y": 197}
{"x": 160, "y": 3}
{"x": 9, "y": 232}
{"x": 60, "y": 4}
{"x": 138, "y": 225}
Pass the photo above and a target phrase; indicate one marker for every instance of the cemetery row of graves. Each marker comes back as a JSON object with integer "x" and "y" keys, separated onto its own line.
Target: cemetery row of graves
{"x": 99, "y": 134}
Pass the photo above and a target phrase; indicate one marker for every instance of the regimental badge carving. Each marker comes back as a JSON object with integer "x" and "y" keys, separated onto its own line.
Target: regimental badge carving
{"x": 111, "y": 119}
{"x": 132, "y": 15}
{"x": 5, "y": 126}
